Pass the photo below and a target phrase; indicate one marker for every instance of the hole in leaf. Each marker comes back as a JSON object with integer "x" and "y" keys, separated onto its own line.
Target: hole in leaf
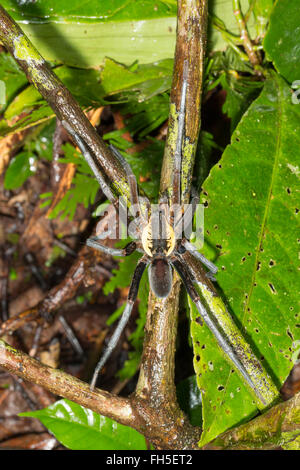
{"x": 221, "y": 387}
{"x": 288, "y": 332}
{"x": 273, "y": 290}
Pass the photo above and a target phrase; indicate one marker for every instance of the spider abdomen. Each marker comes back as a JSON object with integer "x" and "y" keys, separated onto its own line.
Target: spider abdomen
{"x": 160, "y": 277}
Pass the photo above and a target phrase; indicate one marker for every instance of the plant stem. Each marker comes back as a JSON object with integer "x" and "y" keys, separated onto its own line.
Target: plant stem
{"x": 253, "y": 56}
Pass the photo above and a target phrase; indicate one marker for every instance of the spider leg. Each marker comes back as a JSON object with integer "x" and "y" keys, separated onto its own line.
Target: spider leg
{"x": 184, "y": 224}
{"x": 192, "y": 249}
{"x": 93, "y": 242}
{"x": 212, "y": 324}
{"x": 87, "y": 155}
{"x": 134, "y": 195}
{"x": 134, "y": 286}
{"x": 176, "y": 196}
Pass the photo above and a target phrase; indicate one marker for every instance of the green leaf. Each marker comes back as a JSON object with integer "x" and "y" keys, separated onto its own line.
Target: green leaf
{"x": 79, "y": 428}
{"x": 262, "y": 11}
{"x": 251, "y": 234}
{"x": 13, "y": 78}
{"x": 148, "y": 80}
{"x": 279, "y": 426}
{"x": 83, "y": 34}
{"x": 283, "y": 38}
{"x": 239, "y": 95}
{"x": 19, "y": 170}
{"x": 189, "y": 399}
{"x": 42, "y": 11}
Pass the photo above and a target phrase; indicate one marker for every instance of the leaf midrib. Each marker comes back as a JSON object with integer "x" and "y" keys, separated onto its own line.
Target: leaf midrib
{"x": 268, "y": 204}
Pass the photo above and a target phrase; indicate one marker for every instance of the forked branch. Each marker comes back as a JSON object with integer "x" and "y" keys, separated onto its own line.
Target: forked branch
{"x": 153, "y": 409}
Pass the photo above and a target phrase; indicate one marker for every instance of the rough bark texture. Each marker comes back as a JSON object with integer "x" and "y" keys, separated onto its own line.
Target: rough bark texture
{"x": 153, "y": 409}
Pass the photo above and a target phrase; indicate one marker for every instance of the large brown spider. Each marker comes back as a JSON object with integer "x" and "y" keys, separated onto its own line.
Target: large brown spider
{"x": 158, "y": 235}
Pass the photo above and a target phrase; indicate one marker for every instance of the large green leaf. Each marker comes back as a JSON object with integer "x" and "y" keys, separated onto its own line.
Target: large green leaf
{"x": 282, "y": 42}
{"x": 82, "y": 34}
{"x": 251, "y": 234}
{"x": 279, "y": 427}
{"x": 79, "y": 428}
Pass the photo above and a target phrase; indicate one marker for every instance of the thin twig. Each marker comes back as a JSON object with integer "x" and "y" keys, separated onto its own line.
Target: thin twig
{"x": 253, "y": 56}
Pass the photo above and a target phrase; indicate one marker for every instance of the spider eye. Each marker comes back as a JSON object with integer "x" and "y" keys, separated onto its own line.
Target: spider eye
{"x": 160, "y": 277}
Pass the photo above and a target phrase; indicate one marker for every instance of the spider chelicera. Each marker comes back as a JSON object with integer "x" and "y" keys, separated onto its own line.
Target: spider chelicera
{"x": 157, "y": 235}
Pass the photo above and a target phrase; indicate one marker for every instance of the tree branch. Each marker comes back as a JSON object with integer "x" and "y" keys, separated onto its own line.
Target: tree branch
{"x": 156, "y": 381}
{"x": 65, "y": 385}
{"x": 153, "y": 409}
{"x": 61, "y": 101}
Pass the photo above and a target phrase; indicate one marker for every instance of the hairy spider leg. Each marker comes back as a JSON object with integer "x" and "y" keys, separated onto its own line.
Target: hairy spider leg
{"x": 186, "y": 219}
{"x": 133, "y": 291}
{"x": 134, "y": 195}
{"x": 176, "y": 196}
{"x": 216, "y": 330}
{"x": 192, "y": 249}
{"x": 87, "y": 155}
{"x": 93, "y": 242}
